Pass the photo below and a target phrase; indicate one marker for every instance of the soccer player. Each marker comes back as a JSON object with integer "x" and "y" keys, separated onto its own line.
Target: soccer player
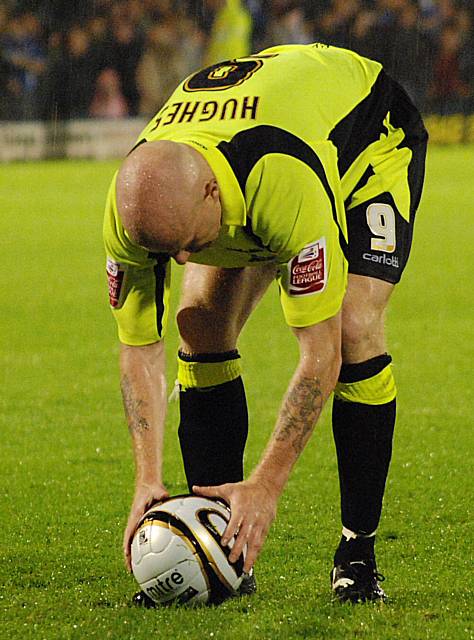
{"x": 303, "y": 164}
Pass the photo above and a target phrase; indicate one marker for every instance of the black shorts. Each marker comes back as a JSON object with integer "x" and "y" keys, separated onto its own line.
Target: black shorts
{"x": 381, "y": 149}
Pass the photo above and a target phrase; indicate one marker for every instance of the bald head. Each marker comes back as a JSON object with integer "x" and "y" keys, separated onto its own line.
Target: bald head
{"x": 165, "y": 193}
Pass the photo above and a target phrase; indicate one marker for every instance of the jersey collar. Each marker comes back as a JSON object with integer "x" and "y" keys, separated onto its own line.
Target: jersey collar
{"x": 234, "y": 210}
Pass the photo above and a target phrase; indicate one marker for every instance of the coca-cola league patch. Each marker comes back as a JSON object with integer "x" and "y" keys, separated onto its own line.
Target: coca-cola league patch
{"x": 308, "y": 270}
{"x": 115, "y": 279}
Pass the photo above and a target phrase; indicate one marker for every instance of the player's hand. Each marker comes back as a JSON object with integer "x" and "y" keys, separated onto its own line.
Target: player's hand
{"x": 145, "y": 497}
{"x": 253, "y": 508}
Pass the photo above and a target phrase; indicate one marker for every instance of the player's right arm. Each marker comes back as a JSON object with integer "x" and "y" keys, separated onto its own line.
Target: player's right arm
{"x": 138, "y": 295}
{"x": 143, "y": 385}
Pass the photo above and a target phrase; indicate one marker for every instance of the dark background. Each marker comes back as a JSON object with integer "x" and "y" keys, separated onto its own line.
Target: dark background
{"x": 61, "y": 59}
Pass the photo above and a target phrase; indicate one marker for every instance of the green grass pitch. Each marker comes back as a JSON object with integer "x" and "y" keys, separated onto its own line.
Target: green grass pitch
{"x": 66, "y": 465}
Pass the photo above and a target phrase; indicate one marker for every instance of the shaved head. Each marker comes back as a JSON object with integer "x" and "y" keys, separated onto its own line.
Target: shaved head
{"x": 164, "y": 189}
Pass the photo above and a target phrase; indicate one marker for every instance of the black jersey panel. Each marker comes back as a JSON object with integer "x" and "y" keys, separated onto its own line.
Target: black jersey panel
{"x": 247, "y": 147}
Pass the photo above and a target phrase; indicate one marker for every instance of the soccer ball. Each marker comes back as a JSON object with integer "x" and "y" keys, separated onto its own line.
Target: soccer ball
{"x": 177, "y": 555}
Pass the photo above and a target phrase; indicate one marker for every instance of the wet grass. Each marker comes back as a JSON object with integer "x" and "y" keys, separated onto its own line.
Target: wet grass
{"x": 66, "y": 467}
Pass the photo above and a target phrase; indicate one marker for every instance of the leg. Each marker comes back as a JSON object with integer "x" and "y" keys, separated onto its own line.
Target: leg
{"x": 363, "y": 415}
{"x": 214, "y": 306}
{"x": 381, "y": 189}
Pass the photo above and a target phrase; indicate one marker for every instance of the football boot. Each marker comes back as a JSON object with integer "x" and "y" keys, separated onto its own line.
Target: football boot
{"x": 141, "y": 599}
{"x": 248, "y": 586}
{"x": 357, "y": 581}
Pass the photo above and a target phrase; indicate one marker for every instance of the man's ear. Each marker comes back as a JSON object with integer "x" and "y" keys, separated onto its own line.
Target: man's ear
{"x": 212, "y": 189}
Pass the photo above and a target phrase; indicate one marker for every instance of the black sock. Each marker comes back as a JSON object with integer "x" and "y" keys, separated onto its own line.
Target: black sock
{"x": 359, "y": 548}
{"x": 212, "y": 432}
{"x": 363, "y": 436}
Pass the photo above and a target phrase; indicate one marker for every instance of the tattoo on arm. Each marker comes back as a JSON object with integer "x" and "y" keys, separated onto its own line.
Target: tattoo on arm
{"x": 133, "y": 407}
{"x": 300, "y": 411}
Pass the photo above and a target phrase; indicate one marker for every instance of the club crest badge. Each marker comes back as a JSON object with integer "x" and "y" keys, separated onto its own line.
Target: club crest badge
{"x": 115, "y": 276}
{"x": 308, "y": 270}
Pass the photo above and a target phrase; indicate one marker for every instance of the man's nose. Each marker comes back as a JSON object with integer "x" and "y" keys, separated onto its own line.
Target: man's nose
{"x": 182, "y": 256}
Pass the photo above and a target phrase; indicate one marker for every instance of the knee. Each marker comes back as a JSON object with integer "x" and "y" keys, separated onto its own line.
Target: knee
{"x": 362, "y": 332}
{"x": 363, "y": 318}
{"x": 358, "y": 324}
{"x": 203, "y": 329}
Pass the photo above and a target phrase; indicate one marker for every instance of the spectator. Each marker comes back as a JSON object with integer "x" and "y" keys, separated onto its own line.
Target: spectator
{"x": 396, "y": 37}
{"x": 410, "y": 61}
{"x": 161, "y": 67}
{"x": 51, "y": 92}
{"x": 8, "y": 89}
{"x": 108, "y": 100}
{"x": 362, "y": 37}
{"x": 74, "y": 75}
{"x": 231, "y": 31}
{"x": 259, "y": 17}
{"x": 192, "y": 42}
{"x": 437, "y": 13}
{"x": 450, "y": 92}
{"x": 287, "y": 24}
{"x": 336, "y": 24}
{"x": 98, "y": 29}
{"x": 162, "y": 9}
{"x": 23, "y": 54}
{"x": 5, "y": 70}
{"x": 126, "y": 50}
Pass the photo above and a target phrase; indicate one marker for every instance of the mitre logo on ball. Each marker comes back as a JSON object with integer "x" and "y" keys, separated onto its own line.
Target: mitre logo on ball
{"x": 308, "y": 270}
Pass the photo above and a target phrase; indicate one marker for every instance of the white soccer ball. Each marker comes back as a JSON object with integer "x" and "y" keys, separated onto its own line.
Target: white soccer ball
{"x": 177, "y": 554}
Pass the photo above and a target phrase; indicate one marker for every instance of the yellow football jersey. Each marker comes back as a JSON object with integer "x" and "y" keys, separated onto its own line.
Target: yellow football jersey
{"x": 264, "y": 124}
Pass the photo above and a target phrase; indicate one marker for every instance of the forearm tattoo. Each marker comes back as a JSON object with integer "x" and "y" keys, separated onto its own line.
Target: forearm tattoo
{"x": 133, "y": 407}
{"x": 299, "y": 413}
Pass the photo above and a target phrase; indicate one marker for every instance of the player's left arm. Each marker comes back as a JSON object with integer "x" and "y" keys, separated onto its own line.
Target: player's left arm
{"x": 254, "y": 501}
{"x": 312, "y": 286}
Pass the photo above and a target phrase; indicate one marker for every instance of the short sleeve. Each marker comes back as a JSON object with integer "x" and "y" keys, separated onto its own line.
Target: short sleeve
{"x": 313, "y": 282}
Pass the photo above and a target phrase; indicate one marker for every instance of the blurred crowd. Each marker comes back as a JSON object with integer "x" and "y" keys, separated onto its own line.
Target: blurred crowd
{"x": 118, "y": 58}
